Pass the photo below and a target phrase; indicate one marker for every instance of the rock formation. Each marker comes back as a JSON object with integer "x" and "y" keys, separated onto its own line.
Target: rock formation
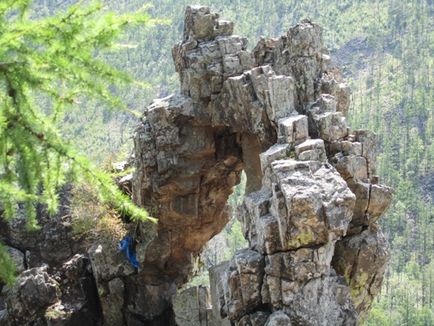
{"x": 55, "y": 285}
{"x": 316, "y": 254}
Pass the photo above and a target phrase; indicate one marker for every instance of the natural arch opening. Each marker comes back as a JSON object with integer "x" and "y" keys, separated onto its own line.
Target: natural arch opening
{"x": 254, "y": 111}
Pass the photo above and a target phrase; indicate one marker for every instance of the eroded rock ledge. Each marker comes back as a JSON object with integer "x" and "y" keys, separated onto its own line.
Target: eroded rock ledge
{"x": 316, "y": 254}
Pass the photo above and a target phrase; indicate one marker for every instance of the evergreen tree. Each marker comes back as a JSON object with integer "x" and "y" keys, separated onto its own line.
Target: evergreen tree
{"x": 56, "y": 61}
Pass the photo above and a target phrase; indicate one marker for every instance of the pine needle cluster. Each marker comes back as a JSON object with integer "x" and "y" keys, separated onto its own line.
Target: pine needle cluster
{"x": 57, "y": 58}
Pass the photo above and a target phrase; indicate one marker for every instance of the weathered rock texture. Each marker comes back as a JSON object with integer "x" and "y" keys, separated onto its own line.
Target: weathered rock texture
{"x": 316, "y": 254}
{"x": 192, "y": 307}
{"x": 55, "y": 285}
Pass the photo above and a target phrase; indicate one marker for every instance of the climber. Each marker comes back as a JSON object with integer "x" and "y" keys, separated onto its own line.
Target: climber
{"x": 126, "y": 246}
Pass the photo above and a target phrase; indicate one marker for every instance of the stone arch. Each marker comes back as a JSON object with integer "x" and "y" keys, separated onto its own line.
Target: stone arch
{"x": 277, "y": 112}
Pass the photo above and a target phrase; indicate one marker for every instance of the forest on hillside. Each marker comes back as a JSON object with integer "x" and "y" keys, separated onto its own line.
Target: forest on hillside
{"x": 386, "y": 51}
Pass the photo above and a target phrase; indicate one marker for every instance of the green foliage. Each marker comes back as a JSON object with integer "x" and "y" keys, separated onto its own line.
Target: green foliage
{"x": 7, "y": 269}
{"x": 53, "y": 60}
{"x": 407, "y": 298}
{"x": 393, "y": 95}
{"x": 53, "y": 57}
{"x": 93, "y": 220}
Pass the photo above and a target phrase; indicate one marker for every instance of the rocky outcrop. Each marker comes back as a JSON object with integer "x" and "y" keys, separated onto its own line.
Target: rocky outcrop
{"x": 55, "y": 285}
{"x": 316, "y": 255}
{"x": 33, "y": 291}
{"x": 68, "y": 297}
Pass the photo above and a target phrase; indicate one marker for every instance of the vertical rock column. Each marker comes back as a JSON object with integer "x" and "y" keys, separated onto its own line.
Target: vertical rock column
{"x": 316, "y": 255}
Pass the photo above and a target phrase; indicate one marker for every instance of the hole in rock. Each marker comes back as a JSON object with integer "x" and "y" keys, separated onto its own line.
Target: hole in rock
{"x": 223, "y": 245}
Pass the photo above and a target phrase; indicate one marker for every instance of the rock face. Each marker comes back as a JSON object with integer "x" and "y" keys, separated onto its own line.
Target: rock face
{"x": 55, "y": 285}
{"x": 33, "y": 291}
{"x": 192, "y": 307}
{"x": 316, "y": 255}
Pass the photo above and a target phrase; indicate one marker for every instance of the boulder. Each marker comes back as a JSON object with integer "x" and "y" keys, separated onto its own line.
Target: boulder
{"x": 32, "y": 293}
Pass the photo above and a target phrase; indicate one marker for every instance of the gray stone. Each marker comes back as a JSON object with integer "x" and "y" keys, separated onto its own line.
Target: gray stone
{"x": 275, "y": 152}
{"x": 300, "y": 265}
{"x": 219, "y": 289}
{"x": 258, "y": 318}
{"x": 303, "y": 203}
{"x": 108, "y": 263}
{"x": 4, "y": 317}
{"x": 294, "y": 129}
{"x": 191, "y": 307}
{"x": 311, "y": 150}
{"x": 278, "y": 318}
{"x": 362, "y": 260}
{"x": 33, "y": 291}
{"x": 323, "y": 301}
